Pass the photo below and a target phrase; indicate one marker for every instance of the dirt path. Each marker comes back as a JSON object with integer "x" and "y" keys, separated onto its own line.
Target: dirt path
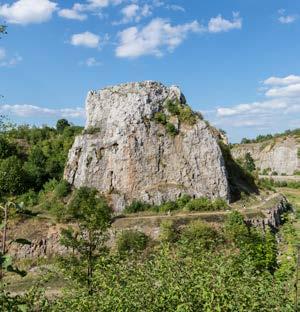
{"x": 251, "y": 209}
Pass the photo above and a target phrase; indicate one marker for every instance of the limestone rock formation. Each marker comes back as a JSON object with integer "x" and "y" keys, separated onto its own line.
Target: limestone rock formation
{"x": 280, "y": 155}
{"x": 143, "y": 142}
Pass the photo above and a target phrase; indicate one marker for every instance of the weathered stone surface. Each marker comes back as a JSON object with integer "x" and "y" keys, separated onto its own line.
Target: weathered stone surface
{"x": 280, "y": 155}
{"x": 127, "y": 155}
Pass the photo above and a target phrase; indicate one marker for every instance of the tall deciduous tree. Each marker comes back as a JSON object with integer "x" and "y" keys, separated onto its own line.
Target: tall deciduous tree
{"x": 87, "y": 238}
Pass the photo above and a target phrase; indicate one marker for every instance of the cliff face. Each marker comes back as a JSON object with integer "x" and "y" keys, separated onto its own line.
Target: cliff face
{"x": 280, "y": 154}
{"x": 135, "y": 148}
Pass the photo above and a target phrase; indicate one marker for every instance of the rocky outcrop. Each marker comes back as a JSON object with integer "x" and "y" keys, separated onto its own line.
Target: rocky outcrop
{"x": 272, "y": 217}
{"x": 135, "y": 147}
{"x": 280, "y": 155}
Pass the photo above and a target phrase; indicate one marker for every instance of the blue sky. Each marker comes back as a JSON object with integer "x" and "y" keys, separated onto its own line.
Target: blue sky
{"x": 236, "y": 61}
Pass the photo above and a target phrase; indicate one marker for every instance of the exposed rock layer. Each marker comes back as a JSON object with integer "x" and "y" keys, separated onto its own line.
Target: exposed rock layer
{"x": 127, "y": 155}
{"x": 279, "y": 155}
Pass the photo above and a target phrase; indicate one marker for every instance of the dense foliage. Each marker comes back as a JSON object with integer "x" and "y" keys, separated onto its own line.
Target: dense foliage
{"x": 30, "y": 157}
{"x": 184, "y": 202}
{"x": 206, "y": 269}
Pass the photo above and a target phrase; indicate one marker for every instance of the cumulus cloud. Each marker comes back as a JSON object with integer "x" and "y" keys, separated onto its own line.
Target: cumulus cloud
{"x": 27, "y": 11}
{"x": 134, "y": 13}
{"x": 85, "y": 39}
{"x": 285, "y": 81}
{"x": 154, "y": 38}
{"x": 283, "y": 91}
{"x": 75, "y": 13}
{"x": 277, "y": 111}
{"x": 25, "y": 110}
{"x": 286, "y": 19}
{"x": 219, "y": 24}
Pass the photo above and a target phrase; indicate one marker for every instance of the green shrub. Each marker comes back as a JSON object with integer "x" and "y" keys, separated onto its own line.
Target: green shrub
{"x": 183, "y": 200}
{"x": 199, "y": 204}
{"x": 160, "y": 117}
{"x": 200, "y": 234}
{"x": 6, "y": 148}
{"x": 220, "y": 204}
{"x": 171, "y": 129}
{"x": 168, "y": 206}
{"x": 275, "y": 173}
{"x": 91, "y": 130}
{"x": 62, "y": 189}
{"x": 187, "y": 116}
{"x": 137, "y": 206}
{"x": 12, "y": 176}
{"x": 173, "y": 107}
{"x": 168, "y": 231}
{"x": 131, "y": 241}
{"x": 30, "y": 198}
{"x": 297, "y": 172}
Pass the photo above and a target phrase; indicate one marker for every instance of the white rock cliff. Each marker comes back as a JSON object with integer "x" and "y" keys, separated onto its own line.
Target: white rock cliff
{"x": 128, "y": 155}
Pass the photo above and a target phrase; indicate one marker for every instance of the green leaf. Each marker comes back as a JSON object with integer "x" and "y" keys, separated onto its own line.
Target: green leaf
{"x": 22, "y": 307}
{"x": 2, "y": 225}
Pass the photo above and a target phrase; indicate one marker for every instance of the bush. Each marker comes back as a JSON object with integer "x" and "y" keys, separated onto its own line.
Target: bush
{"x": 220, "y": 204}
{"x": 168, "y": 206}
{"x": 91, "y": 130}
{"x": 137, "y": 206}
{"x": 187, "y": 116}
{"x": 199, "y": 204}
{"x": 183, "y": 200}
{"x": 12, "y": 176}
{"x": 173, "y": 107}
{"x": 130, "y": 241}
{"x": 29, "y": 198}
{"x": 62, "y": 189}
{"x": 171, "y": 129}
{"x": 6, "y": 148}
{"x": 168, "y": 231}
{"x": 200, "y": 234}
{"x": 160, "y": 118}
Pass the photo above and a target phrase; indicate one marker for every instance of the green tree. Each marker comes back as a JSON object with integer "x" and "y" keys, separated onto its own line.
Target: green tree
{"x": 62, "y": 124}
{"x": 249, "y": 163}
{"x": 12, "y": 176}
{"x": 92, "y": 217}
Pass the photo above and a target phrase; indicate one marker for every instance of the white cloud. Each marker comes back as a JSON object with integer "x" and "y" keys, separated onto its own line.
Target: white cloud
{"x": 25, "y": 110}
{"x": 9, "y": 62}
{"x": 102, "y": 3}
{"x": 286, "y": 19}
{"x": 86, "y": 39}
{"x": 92, "y": 62}
{"x": 288, "y": 91}
{"x": 27, "y": 11}
{"x": 219, "y": 24}
{"x": 74, "y": 13}
{"x": 134, "y": 13}
{"x": 158, "y": 35}
{"x": 175, "y": 7}
{"x": 2, "y": 54}
{"x": 278, "y": 110}
{"x": 285, "y": 81}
